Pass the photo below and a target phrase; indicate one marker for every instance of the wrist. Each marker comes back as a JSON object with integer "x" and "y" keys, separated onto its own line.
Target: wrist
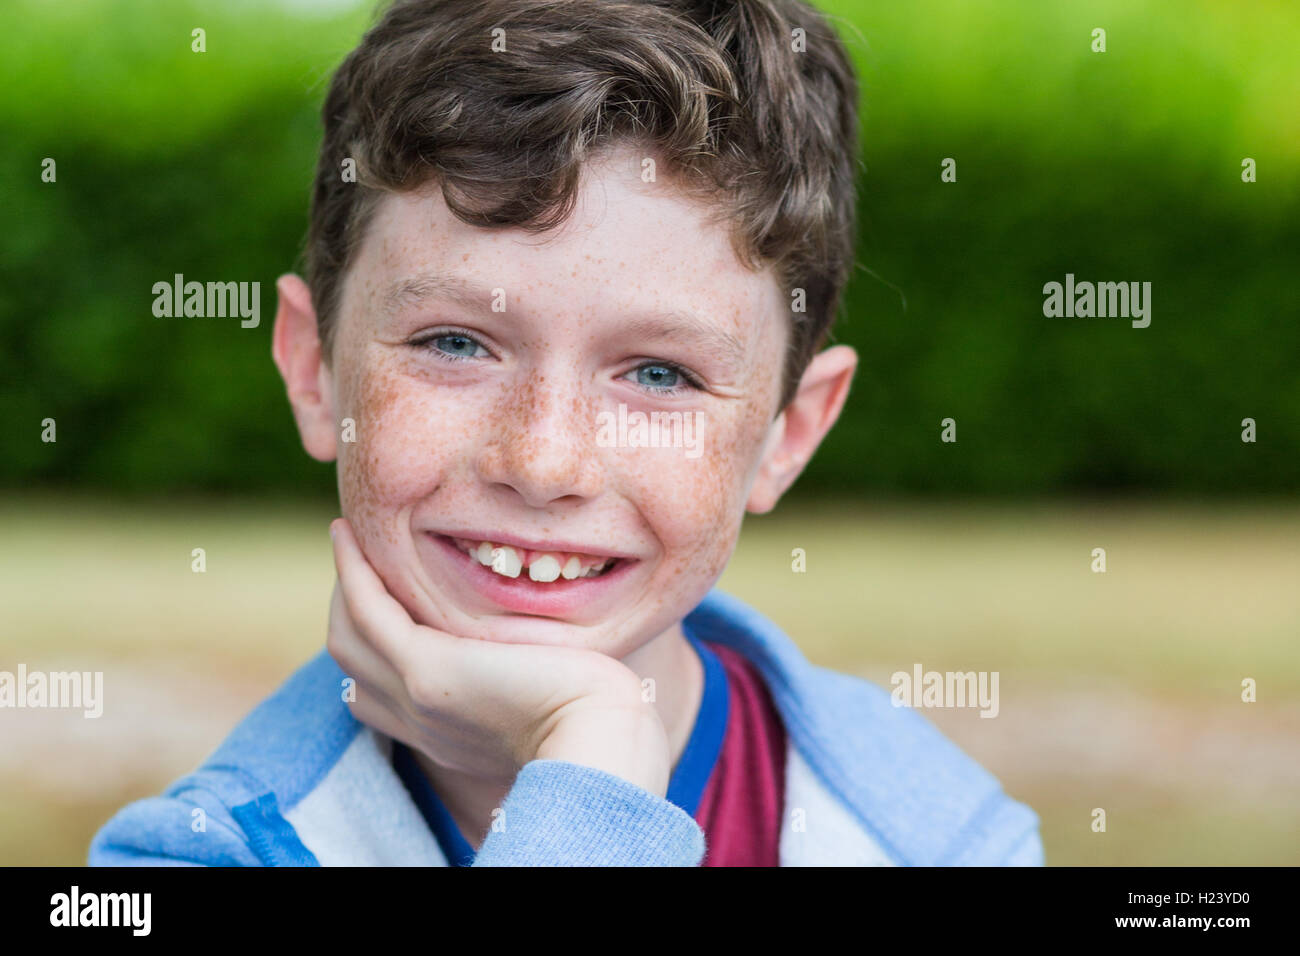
{"x": 628, "y": 742}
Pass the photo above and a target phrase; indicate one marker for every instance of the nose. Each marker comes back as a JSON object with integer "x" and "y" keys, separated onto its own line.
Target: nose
{"x": 542, "y": 443}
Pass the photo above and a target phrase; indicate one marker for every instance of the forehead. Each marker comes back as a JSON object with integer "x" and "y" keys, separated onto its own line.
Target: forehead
{"x": 629, "y": 246}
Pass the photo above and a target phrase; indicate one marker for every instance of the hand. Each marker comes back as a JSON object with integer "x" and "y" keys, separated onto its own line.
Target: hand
{"x": 483, "y": 707}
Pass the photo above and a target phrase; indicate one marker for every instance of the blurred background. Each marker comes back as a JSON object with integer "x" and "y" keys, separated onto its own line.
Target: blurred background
{"x": 1119, "y": 690}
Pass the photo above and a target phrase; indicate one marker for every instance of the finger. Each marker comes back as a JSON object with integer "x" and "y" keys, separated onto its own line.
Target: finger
{"x": 378, "y": 616}
{"x": 354, "y": 654}
{"x": 378, "y": 694}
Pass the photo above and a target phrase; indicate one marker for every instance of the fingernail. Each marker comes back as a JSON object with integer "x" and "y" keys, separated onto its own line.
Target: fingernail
{"x": 333, "y": 530}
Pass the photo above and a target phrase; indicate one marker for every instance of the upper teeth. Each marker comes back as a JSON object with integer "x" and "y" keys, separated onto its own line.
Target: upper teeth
{"x": 544, "y": 567}
{"x": 506, "y": 561}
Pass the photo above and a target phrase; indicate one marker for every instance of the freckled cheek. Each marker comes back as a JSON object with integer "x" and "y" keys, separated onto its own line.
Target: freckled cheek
{"x": 405, "y": 444}
{"x": 695, "y": 505}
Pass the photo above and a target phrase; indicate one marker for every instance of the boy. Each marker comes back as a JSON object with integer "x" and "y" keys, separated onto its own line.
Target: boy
{"x": 567, "y": 214}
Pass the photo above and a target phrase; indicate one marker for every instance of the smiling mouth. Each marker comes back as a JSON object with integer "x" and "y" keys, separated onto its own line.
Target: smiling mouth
{"x": 543, "y": 567}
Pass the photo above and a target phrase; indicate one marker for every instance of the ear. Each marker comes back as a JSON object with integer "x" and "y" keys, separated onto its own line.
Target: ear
{"x": 800, "y": 428}
{"x": 296, "y": 348}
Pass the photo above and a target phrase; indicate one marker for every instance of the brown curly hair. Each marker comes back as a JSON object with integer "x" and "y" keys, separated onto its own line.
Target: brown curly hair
{"x": 751, "y": 103}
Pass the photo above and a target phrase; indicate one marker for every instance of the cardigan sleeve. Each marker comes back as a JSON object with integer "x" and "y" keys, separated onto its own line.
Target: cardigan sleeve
{"x": 565, "y": 814}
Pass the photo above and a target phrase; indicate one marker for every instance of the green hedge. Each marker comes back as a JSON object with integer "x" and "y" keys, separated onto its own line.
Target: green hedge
{"x": 1116, "y": 166}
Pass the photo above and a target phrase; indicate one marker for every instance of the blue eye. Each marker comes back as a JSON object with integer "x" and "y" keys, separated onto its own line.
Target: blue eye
{"x": 664, "y": 378}
{"x": 461, "y": 346}
{"x": 452, "y": 346}
{"x": 657, "y": 376}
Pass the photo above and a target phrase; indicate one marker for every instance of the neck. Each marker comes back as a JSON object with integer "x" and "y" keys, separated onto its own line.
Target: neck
{"x": 669, "y": 660}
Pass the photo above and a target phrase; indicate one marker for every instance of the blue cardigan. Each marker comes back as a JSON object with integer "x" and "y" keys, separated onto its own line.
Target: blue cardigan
{"x": 300, "y": 782}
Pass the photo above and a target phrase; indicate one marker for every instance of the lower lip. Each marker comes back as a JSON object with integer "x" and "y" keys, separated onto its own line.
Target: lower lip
{"x": 523, "y": 595}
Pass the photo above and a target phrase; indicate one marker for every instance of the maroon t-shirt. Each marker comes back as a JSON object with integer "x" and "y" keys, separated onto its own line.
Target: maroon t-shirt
{"x": 741, "y": 808}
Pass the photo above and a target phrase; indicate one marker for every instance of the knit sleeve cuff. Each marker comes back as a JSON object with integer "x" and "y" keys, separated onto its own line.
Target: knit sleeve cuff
{"x": 565, "y": 814}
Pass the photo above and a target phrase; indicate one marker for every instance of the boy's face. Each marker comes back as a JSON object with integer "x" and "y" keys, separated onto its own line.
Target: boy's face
{"x": 476, "y": 364}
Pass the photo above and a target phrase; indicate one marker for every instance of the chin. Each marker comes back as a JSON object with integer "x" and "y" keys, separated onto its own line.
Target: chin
{"x": 548, "y": 632}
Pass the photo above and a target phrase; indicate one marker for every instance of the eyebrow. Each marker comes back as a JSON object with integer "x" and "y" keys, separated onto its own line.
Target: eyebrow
{"x": 678, "y": 325}
{"x": 434, "y": 285}
{"x": 687, "y": 328}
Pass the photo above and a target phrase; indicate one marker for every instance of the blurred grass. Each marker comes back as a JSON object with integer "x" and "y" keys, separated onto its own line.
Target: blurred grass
{"x": 1118, "y": 690}
{"x": 1188, "y": 588}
